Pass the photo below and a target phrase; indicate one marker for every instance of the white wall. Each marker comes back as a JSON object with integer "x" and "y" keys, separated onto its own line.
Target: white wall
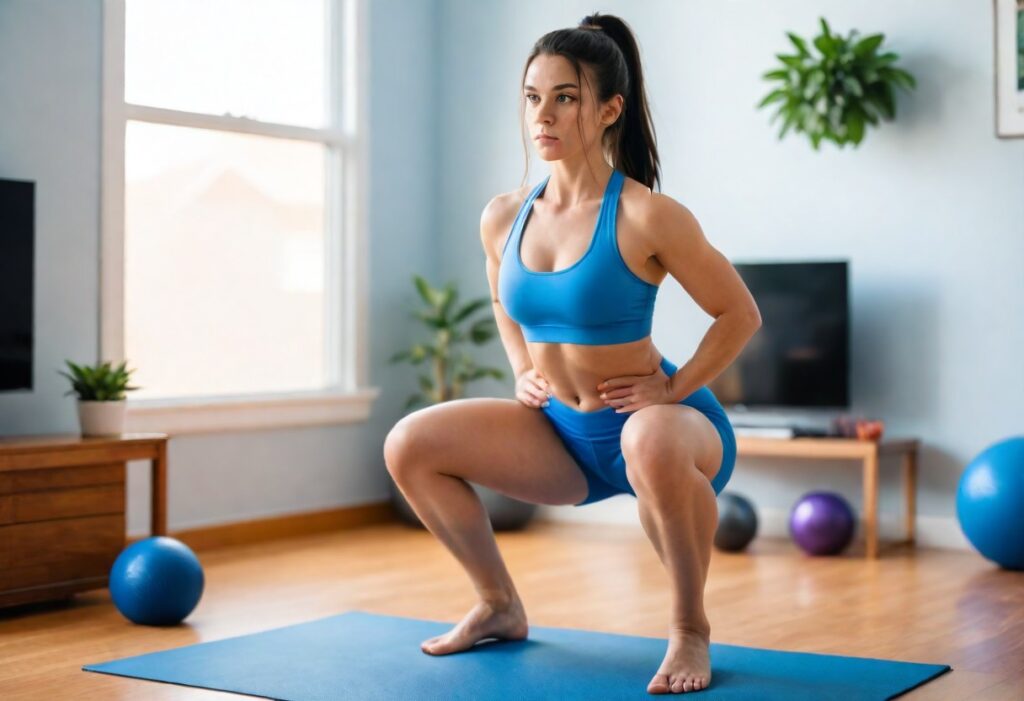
{"x": 929, "y": 210}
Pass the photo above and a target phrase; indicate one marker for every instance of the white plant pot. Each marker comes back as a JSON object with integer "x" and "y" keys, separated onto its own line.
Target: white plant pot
{"x": 101, "y": 418}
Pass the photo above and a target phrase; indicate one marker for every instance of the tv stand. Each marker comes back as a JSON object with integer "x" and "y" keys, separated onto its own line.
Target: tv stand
{"x": 868, "y": 454}
{"x": 788, "y": 430}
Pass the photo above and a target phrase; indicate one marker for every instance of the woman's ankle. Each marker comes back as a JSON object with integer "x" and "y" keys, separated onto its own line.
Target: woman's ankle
{"x": 702, "y": 630}
{"x": 500, "y": 599}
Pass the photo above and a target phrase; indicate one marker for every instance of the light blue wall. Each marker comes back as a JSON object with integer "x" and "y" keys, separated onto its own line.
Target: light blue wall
{"x": 50, "y": 96}
{"x": 50, "y": 91}
{"x": 929, "y": 210}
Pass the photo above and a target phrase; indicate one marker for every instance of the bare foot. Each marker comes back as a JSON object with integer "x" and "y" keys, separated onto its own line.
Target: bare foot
{"x": 686, "y": 667}
{"x": 485, "y": 620}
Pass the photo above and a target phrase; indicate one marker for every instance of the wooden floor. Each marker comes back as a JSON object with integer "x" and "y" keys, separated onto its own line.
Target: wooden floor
{"x": 931, "y": 606}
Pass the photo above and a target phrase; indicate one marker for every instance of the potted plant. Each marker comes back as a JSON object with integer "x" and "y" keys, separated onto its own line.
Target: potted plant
{"x": 835, "y": 95}
{"x": 450, "y": 371}
{"x": 449, "y": 374}
{"x": 101, "y": 401}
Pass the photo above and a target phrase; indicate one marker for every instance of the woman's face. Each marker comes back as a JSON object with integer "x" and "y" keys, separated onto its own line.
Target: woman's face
{"x": 557, "y": 106}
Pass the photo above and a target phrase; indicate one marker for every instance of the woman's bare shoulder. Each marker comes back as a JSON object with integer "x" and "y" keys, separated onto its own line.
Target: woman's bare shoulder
{"x": 637, "y": 195}
{"x": 499, "y": 213}
{"x": 647, "y": 209}
{"x": 638, "y": 205}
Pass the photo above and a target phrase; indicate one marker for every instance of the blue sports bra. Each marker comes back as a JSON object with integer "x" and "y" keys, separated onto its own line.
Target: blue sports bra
{"x": 596, "y": 300}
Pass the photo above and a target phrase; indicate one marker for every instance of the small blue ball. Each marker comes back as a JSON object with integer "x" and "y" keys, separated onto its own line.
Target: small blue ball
{"x": 990, "y": 503}
{"x": 156, "y": 581}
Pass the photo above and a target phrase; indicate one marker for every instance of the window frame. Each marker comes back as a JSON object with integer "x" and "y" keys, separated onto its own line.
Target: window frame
{"x": 348, "y": 397}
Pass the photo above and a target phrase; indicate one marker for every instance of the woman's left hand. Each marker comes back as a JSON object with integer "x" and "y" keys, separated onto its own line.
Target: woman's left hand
{"x": 631, "y": 392}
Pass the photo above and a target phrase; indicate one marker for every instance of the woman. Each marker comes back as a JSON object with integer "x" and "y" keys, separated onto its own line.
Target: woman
{"x": 573, "y": 302}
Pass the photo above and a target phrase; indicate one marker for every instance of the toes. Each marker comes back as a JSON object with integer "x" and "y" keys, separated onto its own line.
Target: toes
{"x": 683, "y": 683}
{"x": 434, "y": 645}
{"x": 658, "y": 685}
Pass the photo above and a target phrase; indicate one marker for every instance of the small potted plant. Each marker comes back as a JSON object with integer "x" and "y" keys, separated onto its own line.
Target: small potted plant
{"x": 101, "y": 401}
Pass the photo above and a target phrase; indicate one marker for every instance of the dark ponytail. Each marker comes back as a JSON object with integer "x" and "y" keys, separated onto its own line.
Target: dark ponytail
{"x": 607, "y": 45}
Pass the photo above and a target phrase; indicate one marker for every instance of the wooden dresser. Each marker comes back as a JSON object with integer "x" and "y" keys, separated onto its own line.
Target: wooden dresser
{"x": 62, "y": 510}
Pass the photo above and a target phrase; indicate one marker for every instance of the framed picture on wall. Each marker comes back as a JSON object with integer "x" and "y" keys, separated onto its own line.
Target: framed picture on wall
{"x": 1009, "y": 67}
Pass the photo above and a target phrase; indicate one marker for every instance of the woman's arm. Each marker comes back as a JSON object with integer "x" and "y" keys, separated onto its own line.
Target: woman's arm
{"x": 492, "y": 236}
{"x": 681, "y": 247}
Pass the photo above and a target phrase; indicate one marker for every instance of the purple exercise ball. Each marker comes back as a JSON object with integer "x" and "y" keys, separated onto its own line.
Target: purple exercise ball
{"x": 822, "y": 523}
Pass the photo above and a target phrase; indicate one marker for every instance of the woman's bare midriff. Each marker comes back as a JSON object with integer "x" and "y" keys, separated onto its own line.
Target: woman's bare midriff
{"x": 574, "y": 370}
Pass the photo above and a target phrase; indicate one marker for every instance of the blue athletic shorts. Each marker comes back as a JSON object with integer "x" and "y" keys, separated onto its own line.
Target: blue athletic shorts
{"x": 592, "y": 438}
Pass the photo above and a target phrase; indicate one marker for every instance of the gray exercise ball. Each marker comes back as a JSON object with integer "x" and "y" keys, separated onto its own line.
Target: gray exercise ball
{"x": 506, "y": 513}
{"x": 737, "y": 522}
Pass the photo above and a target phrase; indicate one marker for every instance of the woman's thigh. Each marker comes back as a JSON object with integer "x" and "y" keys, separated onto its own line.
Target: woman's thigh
{"x": 498, "y": 443}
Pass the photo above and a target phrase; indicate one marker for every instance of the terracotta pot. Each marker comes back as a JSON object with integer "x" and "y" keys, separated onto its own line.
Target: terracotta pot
{"x": 101, "y": 418}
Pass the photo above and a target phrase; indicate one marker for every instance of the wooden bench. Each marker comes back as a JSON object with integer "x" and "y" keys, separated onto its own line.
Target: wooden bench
{"x": 868, "y": 453}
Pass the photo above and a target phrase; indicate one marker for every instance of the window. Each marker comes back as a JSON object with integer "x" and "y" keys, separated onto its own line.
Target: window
{"x": 234, "y": 169}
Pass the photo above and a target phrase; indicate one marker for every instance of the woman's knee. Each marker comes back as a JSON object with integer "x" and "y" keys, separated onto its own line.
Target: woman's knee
{"x": 654, "y": 451}
{"x": 659, "y": 438}
{"x": 405, "y": 446}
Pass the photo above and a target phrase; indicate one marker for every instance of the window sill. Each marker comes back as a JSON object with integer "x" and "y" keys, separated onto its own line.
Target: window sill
{"x": 227, "y": 414}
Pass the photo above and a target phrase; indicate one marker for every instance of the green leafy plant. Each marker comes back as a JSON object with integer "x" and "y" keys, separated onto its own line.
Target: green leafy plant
{"x": 98, "y": 383}
{"x": 450, "y": 370}
{"x": 836, "y": 95}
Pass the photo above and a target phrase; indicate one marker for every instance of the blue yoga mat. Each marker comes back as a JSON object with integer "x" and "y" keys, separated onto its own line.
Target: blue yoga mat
{"x": 366, "y": 656}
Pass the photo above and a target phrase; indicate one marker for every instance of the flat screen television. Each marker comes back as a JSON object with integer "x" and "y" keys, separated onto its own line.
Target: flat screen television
{"x": 799, "y": 358}
{"x": 17, "y": 224}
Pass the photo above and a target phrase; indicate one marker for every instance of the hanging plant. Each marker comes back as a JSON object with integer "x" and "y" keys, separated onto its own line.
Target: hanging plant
{"x": 835, "y": 95}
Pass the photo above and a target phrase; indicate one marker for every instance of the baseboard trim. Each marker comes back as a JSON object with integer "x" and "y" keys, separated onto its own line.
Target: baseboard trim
{"x": 930, "y": 531}
{"x": 274, "y": 527}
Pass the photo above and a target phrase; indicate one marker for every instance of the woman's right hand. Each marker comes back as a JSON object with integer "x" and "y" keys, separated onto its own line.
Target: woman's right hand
{"x": 532, "y": 389}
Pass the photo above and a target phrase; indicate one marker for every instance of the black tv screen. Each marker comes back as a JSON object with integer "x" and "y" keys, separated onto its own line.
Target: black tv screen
{"x": 17, "y": 215}
{"x": 799, "y": 358}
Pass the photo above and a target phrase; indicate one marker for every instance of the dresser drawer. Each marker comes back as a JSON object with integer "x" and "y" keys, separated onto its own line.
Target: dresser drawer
{"x": 70, "y": 548}
{"x": 28, "y": 507}
{"x": 72, "y": 570}
{"x": 13, "y": 481}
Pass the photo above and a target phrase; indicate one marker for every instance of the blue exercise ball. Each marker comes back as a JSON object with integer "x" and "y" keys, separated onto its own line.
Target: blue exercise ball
{"x": 990, "y": 503}
{"x": 822, "y": 523}
{"x": 156, "y": 581}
